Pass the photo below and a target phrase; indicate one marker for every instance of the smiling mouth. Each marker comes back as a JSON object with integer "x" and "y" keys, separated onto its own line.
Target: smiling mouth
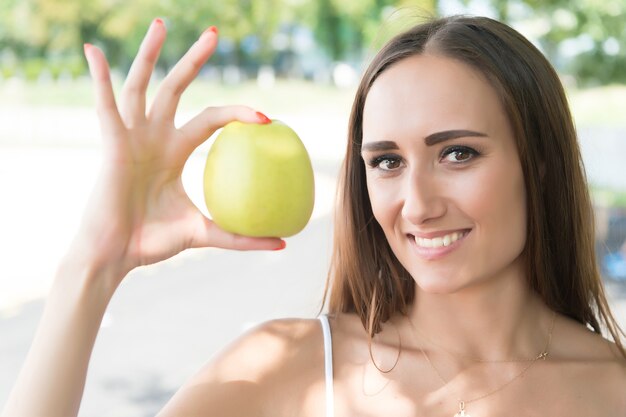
{"x": 440, "y": 241}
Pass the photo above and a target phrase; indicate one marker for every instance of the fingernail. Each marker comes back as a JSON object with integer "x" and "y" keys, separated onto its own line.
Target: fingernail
{"x": 86, "y": 48}
{"x": 158, "y": 21}
{"x": 263, "y": 118}
{"x": 282, "y": 246}
{"x": 209, "y": 30}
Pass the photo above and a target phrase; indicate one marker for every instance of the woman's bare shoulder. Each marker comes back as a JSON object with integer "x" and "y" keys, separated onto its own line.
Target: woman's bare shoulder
{"x": 243, "y": 378}
{"x": 575, "y": 341}
{"x": 591, "y": 364}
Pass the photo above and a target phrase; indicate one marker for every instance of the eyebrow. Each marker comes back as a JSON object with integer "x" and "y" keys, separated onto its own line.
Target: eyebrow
{"x": 438, "y": 137}
{"x": 383, "y": 145}
{"x": 430, "y": 140}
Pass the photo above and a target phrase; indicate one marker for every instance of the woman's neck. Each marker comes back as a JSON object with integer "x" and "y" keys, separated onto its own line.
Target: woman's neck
{"x": 501, "y": 319}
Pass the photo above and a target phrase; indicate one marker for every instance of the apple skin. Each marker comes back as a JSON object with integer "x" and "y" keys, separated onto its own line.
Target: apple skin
{"x": 258, "y": 180}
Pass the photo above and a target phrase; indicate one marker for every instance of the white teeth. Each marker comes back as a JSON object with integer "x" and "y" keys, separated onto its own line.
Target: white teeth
{"x": 438, "y": 242}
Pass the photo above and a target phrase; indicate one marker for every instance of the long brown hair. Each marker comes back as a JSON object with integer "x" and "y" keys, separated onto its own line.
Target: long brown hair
{"x": 366, "y": 278}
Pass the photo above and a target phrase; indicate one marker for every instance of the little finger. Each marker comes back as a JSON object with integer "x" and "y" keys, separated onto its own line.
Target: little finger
{"x": 211, "y": 235}
{"x": 110, "y": 120}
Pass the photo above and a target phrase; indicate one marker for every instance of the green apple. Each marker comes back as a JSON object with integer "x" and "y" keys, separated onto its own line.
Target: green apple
{"x": 258, "y": 180}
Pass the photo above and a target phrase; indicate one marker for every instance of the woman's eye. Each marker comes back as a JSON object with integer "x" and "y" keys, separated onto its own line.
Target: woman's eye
{"x": 458, "y": 154}
{"x": 386, "y": 163}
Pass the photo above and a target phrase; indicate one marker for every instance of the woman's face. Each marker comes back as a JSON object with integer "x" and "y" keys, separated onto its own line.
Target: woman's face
{"x": 443, "y": 173}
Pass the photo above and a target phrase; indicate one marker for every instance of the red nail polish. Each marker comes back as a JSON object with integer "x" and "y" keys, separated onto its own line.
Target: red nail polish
{"x": 209, "y": 30}
{"x": 158, "y": 21}
{"x": 263, "y": 118}
{"x": 282, "y": 246}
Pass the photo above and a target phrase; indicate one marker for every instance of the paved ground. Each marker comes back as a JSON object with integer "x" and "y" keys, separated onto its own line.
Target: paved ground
{"x": 167, "y": 319}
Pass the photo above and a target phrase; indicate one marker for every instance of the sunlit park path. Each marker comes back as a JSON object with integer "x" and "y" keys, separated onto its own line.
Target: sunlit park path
{"x": 169, "y": 318}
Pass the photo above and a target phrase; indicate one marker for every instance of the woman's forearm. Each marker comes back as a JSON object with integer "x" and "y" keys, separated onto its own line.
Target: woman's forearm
{"x": 52, "y": 378}
{"x": 138, "y": 214}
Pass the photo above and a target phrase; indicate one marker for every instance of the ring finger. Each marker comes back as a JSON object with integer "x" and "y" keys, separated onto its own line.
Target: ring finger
{"x": 133, "y": 96}
{"x": 169, "y": 93}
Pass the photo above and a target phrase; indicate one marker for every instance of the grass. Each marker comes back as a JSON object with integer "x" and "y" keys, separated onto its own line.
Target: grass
{"x": 291, "y": 96}
{"x": 600, "y": 106}
{"x": 608, "y": 197}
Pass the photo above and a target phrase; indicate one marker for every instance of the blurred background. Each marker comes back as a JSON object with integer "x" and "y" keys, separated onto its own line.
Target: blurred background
{"x": 295, "y": 60}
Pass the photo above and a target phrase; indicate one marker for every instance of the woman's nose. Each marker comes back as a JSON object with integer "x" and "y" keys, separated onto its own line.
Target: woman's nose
{"x": 424, "y": 198}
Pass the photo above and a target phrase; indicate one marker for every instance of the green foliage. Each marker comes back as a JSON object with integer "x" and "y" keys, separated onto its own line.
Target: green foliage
{"x": 585, "y": 38}
{"x": 346, "y": 28}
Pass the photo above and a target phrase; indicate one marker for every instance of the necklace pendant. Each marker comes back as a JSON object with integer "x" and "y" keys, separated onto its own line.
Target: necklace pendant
{"x": 461, "y": 412}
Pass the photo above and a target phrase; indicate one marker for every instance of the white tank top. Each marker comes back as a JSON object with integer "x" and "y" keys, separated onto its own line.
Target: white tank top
{"x": 328, "y": 365}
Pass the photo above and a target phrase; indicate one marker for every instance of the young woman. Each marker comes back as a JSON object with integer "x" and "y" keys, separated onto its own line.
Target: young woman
{"x": 463, "y": 281}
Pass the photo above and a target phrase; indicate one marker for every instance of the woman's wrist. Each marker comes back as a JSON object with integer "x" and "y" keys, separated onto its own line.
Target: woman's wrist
{"x": 81, "y": 274}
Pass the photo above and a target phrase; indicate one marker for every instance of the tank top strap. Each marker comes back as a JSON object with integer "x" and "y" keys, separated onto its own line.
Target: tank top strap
{"x": 328, "y": 365}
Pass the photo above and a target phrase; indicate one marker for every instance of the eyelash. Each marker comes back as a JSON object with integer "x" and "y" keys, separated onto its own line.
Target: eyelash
{"x": 460, "y": 149}
{"x": 376, "y": 161}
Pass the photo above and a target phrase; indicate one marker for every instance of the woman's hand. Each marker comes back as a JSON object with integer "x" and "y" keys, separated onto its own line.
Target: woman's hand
{"x": 139, "y": 212}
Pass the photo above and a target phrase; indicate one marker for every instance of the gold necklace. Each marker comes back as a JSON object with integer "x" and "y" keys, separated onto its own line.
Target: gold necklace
{"x": 462, "y": 413}
{"x": 541, "y": 354}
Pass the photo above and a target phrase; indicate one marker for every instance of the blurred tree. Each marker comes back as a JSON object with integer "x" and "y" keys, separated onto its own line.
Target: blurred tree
{"x": 118, "y": 27}
{"x": 250, "y": 26}
{"x": 585, "y": 38}
{"x": 591, "y": 35}
{"x": 56, "y": 29}
{"x": 346, "y": 27}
